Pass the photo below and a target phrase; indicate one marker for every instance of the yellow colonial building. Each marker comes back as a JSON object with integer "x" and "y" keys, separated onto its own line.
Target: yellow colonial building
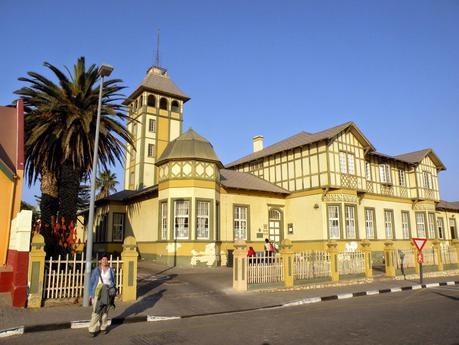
{"x": 185, "y": 207}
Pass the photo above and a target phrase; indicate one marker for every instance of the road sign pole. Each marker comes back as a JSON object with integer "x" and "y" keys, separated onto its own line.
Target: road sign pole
{"x": 420, "y": 273}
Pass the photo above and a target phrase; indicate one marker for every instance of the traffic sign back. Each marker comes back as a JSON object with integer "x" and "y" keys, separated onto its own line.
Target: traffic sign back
{"x": 419, "y": 243}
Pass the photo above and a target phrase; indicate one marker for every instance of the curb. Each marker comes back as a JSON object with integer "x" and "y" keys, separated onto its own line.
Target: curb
{"x": 152, "y": 318}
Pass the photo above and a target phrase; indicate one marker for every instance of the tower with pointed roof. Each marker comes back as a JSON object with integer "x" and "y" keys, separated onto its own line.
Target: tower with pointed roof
{"x": 156, "y": 109}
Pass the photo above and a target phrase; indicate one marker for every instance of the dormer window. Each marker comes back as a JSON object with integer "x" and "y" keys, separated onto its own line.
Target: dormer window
{"x": 175, "y": 106}
{"x": 163, "y": 103}
{"x": 427, "y": 180}
{"x": 346, "y": 162}
{"x": 402, "y": 177}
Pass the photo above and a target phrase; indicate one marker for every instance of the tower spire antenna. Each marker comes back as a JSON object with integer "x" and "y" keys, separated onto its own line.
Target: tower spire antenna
{"x": 157, "y": 50}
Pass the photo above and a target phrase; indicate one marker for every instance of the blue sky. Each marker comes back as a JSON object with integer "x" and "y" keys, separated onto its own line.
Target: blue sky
{"x": 265, "y": 67}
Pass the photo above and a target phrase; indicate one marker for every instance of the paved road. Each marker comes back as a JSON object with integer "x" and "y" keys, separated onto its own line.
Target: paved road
{"x": 428, "y": 316}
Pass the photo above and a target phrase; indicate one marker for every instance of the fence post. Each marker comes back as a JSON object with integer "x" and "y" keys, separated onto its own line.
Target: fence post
{"x": 367, "y": 253}
{"x": 333, "y": 252}
{"x": 389, "y": 253}
{"x": 36, "y": 271}
{"x": 287, "y": 262}
{"x": 437, "y": 252}
{"x": 240, "y": 266}
{"x": 455, "y": 243}
{"x": 129, "y": 257}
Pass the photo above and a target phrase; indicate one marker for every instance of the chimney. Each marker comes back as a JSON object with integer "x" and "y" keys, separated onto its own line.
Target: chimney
{"x": 257, "y": 143}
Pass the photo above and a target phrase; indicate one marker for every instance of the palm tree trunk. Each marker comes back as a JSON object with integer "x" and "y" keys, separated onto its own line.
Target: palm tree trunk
{"x": 49, "y": 205}
{"x": 69, "y": 185}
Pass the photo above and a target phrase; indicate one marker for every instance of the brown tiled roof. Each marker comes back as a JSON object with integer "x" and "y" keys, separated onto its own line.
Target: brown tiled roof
{"x": 159, "y": 83}
{"x": 448, "y": 205}
{"x": 298, "y": 140}
{"x": 240, "y": 180}
{"x": 417, "y": 156}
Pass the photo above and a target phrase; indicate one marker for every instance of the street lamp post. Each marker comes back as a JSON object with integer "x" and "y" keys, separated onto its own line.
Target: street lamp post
{"x": 104, "y": 71}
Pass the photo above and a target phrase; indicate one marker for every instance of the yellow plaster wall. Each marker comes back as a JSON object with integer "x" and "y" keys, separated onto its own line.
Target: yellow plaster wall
{"x": 142, "y": 220}
{"x": 259, "y": 206}
{"x": 307, "y": 220}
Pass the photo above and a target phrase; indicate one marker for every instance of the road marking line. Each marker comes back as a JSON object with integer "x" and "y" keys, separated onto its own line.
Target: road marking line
{"x": 11, "y": 331}
{"x": 153, "y": 318}
{"x": 345, "y": 295}
{"x": 80, "y": 324}
{"x": 372, "y": 292}
{"x": 432, "y": 285}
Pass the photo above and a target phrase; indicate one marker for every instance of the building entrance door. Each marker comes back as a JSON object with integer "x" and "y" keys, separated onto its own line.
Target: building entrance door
{"x": 275, "y": 224}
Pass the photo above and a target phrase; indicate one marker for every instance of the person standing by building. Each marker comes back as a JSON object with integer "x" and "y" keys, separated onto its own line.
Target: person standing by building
{"x": 101, "y": 293}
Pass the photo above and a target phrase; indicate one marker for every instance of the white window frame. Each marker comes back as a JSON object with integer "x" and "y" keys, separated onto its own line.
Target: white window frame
{"x": 343, "y": 162}
{"x": 431, "y": 225}
{"x": 152, "y": 125}
{"x": 421, "y": 224}
{"x": 202, "y": 220}
{"x": 452, "y": 224}
{"x": 385, "y": 173}
{"x": 370, "y": 224}
{"x": 163, "y": 219}
{"x": 406, "y": 225}
{"x": 240, "y": 222}
{"x": 334, "y": 226}
{"x": 118, "y": 226}
{"x": 350, "y": 221}
{"x": 368, "y": 171}
{"x": 182, "y": 211}
{"x": 389, "y": 224}
{"x": 402, "y": 178}
{"x": 441, "y": 227}
{"x": 427, "y": 179}
{"x": 151, "y": 150}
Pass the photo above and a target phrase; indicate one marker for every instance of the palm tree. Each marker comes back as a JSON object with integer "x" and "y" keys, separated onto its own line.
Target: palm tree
{"x": 60, "y": 131}
{"x": 106, "y": 182}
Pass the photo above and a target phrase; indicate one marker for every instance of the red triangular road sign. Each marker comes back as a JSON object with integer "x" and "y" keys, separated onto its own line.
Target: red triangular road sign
{"x": 419, "y": 243}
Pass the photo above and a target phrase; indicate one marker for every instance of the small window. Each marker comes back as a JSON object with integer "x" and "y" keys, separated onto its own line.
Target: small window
{"x": 370, "y": 223}
{"x": 384, "y": 173}
{"x": 132, "y": 178}
{"x": 406, "y": 225}
{"x": 440, "y": 227}
{"x": 368, "y": 171}
{"x": 389, "y": 224}
{"x": 140, "y": 101}
{"x": 152, "y": 125}
{"x": 163, "y": 210}
{"x": 182, "y": 219}
{"x": 101, "y": 229}
{"x": 151, "y": 101}
{"x": 118, "y": 227}
{"x": 452, "y": 227}
{"x": 342, "y": 162}
{"x": 431, "y": 223}
{"x": 240, "y": 222}
{"x": 401, "y": 178}
{"x": 427, "y": 179}
{"x": 349, "y": 212}
{"x": 132, "y": 153}
{"x": 346, "y": 162}
{"x": 175, "y": 106}
{"x": 163, "y": 103}
{"x": 333, "y": 222}
{"x": 421, "y": 224}
{"x": 202, "y": 220}
{"x": 151, "y": 150}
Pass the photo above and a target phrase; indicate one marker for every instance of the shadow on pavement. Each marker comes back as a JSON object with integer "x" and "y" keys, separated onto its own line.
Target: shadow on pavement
{"x": 454, "y": 298}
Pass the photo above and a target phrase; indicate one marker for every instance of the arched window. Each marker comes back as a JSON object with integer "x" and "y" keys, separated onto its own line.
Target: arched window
{"x": 140, "y": 101}
{"x": 274, "y": 214}
{"x": 151, "y": 101}
{"x": 136, "y": 104}
{"x": 163, "y": 104}
{"x": 175, "y": 106}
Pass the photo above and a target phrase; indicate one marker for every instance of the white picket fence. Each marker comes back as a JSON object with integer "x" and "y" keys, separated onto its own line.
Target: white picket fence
{"x": 311, "y": 264}
{"x": 351, "y": 263}
{"x": 64, "y": 277}
{"x": 430, "y": 259}
{"x": 263, "y": 269}
{"x": 448, "y": 255}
